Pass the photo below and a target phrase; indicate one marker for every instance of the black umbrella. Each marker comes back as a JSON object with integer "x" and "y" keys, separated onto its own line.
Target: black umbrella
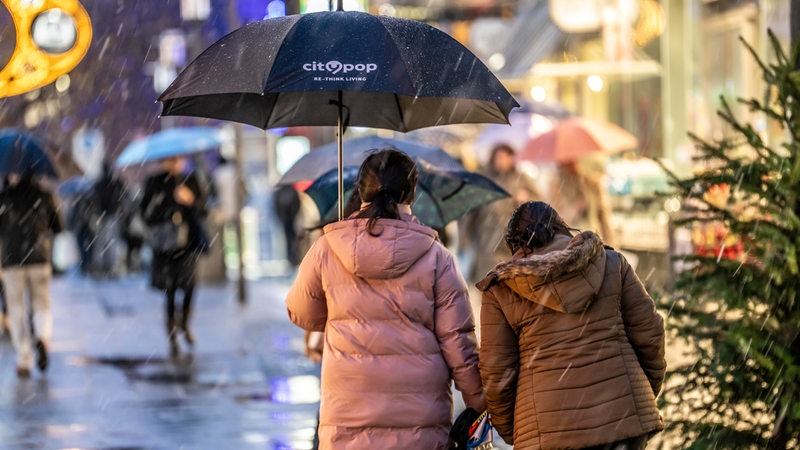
{"x": 21, "y": 152}
{"x": 324, "y": 158}
{"x": 442, "y": 195}
{"x": 339, "y": 68}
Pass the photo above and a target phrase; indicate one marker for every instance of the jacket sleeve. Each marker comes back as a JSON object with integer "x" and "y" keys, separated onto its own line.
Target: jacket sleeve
{"x": 454, "y": 327}
{"x": 306, "y": 302}
{"x": 499, "y": 365}
{"x": 643, "y": 326}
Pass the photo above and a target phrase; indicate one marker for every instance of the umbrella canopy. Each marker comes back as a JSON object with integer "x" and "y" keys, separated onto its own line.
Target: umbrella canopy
{"x": 21, "y": 152}
{"x": 322, "y": 159}
{"x": 576, "y": 137}
{"x": 442, "y": 195}
{"x": 528, "y": 121}
{"x": 74, "y": 186}
{"x": 339, "y": 68}
{"x": 171, "y": 142}
{"x": 386, "y": 72}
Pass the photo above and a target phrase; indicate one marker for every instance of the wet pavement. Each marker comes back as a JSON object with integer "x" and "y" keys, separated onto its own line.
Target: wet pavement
{"x": 111, "y": 383}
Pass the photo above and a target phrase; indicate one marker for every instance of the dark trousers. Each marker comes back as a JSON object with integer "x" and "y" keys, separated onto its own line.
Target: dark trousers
{"x": 186, "y": 307}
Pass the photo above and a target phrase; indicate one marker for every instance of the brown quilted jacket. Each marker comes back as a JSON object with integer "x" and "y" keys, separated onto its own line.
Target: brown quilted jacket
{"x": 572, "y": 348}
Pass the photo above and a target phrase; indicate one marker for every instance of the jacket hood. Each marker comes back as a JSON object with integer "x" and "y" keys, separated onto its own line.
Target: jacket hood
{"x": 401, "y": 243}
{"x": 564, "y": 276}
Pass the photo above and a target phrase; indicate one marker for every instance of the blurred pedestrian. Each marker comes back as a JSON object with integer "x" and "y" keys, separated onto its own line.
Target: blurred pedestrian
{"x": 134, "y": 231}
{"x": 579, "y": 192}
{"x": 173, "y": 207}
{"x": 109, "y": 197}
{"x": 396, "y": 319}
{"x": 4, "y": 329}
{"x": 572, "y": 348}
{"x": 481, "y": 232}
{"x": 29, "y": 221}
{"x": 286, "y": 203}
{"x": 82, "y": 221}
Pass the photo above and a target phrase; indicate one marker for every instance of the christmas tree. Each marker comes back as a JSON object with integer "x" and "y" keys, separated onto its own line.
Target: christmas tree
{"x": 735, "y": 304}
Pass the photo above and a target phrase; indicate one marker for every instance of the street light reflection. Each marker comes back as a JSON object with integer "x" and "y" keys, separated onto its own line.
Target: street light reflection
{"x": 61, "y": 430}
{"x": 295, "y": 390}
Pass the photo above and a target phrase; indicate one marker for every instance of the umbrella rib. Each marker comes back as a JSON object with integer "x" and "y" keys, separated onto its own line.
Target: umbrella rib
{"x": 455, "y": 191}
{"x": 271, "y": 110}
{"x": 400, "y": 112}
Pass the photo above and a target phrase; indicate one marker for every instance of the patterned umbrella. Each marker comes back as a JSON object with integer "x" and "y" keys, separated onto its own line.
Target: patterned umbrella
{"x": 442, "y": 195}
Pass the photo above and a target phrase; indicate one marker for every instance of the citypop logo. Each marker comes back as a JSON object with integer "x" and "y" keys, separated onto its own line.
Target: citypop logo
{"x": 336, "y": 67}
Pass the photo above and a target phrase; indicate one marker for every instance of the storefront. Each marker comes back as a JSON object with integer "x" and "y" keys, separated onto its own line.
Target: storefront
{"x": 656, "y": 68}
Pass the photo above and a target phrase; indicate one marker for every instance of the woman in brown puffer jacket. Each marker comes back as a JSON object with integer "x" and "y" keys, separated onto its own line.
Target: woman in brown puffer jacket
{"x": 572, "y": 348}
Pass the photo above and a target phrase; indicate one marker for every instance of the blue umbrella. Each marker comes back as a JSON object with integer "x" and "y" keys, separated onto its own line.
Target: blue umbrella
{"x": 171, "y": 142}
{"x": 442, "y": 195}
{"x": 21, "y": 152}
{"x": 322, "y": 159}
{"x": 74, "y": 186}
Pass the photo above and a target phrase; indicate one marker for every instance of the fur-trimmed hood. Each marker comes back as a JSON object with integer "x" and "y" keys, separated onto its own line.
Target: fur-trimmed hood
{"x": 564, "y": 276}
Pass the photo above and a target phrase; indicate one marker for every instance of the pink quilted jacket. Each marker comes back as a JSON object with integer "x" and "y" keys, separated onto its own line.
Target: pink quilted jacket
{"x": 398, "y": 327}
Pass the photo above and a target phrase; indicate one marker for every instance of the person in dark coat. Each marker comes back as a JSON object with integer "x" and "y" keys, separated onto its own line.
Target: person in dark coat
{"x": 286, "y": 202}
{"x": 572, "y": 347}
{"x": 133, "y": 233}
{"x": 29, "y": 221}
{"x": 177, "y": 197}
{"x": 109, "y": 196}
{"x": 82, "y": 219}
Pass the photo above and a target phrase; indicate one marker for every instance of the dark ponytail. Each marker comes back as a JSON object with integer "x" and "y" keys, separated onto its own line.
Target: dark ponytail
{"x": 386, "y": 179}
{"x": 534, "y": 225}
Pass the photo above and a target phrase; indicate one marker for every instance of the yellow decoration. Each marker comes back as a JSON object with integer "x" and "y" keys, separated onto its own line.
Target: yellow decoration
{"x": 31, "y": 67}
{"x": 651, "y": 24}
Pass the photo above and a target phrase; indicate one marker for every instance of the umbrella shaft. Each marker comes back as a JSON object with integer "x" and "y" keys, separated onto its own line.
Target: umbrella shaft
{"x": 340, "y": 140}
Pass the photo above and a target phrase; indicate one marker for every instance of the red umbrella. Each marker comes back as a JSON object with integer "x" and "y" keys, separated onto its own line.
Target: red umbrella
{"x": 576, "y": 137}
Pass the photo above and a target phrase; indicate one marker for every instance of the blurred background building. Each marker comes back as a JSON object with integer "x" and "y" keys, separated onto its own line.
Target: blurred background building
{"x": 656, "y": 68}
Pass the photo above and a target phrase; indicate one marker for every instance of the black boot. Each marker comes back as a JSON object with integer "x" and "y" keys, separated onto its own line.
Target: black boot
{"x": 41, "y": 355}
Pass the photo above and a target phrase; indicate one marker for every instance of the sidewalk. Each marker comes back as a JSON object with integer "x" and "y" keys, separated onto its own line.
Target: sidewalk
{"x": 111, "y": 384}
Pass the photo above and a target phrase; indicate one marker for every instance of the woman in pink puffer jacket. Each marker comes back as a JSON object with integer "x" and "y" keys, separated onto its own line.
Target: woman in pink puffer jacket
{"x": 397, "y": 321}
